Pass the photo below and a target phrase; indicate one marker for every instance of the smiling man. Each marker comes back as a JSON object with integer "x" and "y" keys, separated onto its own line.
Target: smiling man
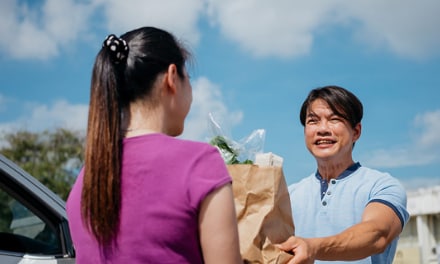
{"x": 343, "y": 211}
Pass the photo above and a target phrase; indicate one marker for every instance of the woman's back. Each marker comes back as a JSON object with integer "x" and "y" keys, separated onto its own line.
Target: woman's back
{"x": 164, "y": 181}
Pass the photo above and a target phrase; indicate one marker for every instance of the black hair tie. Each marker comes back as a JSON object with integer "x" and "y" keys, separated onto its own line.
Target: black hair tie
{"x": 117, "y": 48}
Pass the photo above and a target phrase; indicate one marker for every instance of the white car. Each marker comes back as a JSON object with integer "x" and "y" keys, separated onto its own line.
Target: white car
{"x": 33, "y": 221}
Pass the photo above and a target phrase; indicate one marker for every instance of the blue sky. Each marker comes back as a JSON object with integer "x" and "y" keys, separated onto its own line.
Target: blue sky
{"x": 255, "y": 62}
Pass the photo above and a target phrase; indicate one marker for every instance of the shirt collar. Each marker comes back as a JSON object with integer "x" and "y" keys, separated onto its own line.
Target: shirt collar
{"x": 345, "y": 173}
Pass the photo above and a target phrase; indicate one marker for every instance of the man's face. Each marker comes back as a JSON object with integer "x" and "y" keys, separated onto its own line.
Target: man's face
{"x": 329, "y": 137}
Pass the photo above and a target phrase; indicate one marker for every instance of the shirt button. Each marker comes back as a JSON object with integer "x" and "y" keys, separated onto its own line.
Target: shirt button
{"x": 324, "y": 203}
{"x": 329, "y": 193}
{"x": 333, "y": 181}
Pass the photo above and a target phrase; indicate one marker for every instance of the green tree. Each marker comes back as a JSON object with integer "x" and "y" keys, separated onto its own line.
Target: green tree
{"x": 54, "y": 157}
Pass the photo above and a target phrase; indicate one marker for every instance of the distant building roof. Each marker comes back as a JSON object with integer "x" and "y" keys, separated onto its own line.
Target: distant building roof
{"x": 424, "y": 201}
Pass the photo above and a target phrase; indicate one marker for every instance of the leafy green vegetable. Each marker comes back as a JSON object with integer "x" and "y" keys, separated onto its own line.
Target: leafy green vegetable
{"x": 229, "y": 154}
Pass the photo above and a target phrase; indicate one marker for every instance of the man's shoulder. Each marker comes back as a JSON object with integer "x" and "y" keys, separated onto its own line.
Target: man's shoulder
{"x": 375, "y": 175}
{"x": 304, "y": 183}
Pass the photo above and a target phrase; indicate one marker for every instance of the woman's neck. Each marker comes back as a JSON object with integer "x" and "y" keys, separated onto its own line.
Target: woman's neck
{"x": 139, "y": 121}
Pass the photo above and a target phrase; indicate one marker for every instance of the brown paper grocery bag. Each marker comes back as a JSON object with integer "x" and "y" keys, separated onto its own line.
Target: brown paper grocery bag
{"x": 263, "y": 210}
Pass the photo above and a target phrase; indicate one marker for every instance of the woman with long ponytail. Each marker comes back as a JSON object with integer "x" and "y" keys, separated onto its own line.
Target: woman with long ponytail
{"x": 144, "y": 196}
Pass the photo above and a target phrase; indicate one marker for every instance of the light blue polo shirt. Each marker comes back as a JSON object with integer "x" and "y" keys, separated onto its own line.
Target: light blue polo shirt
{"x": 323, "y": 209}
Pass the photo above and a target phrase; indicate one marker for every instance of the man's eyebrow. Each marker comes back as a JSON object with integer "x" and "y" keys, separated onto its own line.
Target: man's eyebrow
{"x": 332, "y": 114}
{"x": 311, "y": 114}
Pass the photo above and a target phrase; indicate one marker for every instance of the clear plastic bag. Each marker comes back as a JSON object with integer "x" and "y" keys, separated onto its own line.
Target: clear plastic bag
{"x": 236, "y": 152}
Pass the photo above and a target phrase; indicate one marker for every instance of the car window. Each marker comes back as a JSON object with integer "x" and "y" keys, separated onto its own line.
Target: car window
{"x": 23, "y": 231}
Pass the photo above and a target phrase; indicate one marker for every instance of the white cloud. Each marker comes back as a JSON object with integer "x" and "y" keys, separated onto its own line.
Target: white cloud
{"x": 287, "y": 27}
{"x": 424, "y": 149}
{"x": 60, "y": 114}
{"x": 407, "y": 28}
{"x": 429, "y": 125}
{"x": 207, "y": 98}
{"x": 40, "y": 31}
{"x": 264, "y": 28}
{"x": 176, "y": 16}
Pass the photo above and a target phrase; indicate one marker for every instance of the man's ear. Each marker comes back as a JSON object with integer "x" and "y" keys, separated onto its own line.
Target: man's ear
{"x": 171, "y": 78}
{"x": 357, "y": 131}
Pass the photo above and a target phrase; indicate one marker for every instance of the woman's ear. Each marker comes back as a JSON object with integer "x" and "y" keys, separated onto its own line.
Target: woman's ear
{"x": 171, "y": 78}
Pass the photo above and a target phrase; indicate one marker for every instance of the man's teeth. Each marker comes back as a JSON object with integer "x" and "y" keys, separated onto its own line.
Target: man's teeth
{"x": 324, "y": 142}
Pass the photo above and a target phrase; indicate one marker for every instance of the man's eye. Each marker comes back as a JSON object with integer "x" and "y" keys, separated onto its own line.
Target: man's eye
{"x": 336, "y": 118}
